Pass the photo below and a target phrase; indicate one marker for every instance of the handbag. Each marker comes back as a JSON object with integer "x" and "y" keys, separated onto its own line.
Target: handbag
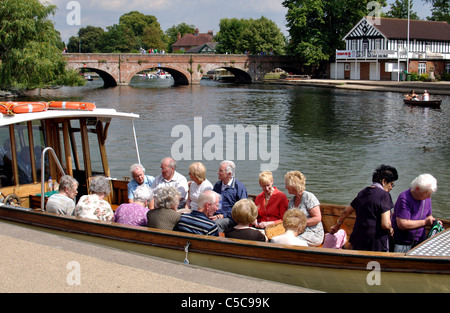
{"x": 435, "y": 228}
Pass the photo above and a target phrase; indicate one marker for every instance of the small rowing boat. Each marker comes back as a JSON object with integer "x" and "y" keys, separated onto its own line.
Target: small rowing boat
{"x": 430, "y": 103}
{"x": 71, "y": 135}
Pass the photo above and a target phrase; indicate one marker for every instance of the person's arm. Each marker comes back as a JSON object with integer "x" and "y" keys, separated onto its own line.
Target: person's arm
{"x": 405, "y": 224}
{"x": 386, "y": 222}
{"x": 316, "y": 216}
{"x": 347, "y": 211}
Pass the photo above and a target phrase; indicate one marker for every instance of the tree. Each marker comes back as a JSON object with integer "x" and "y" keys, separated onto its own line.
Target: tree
{"x": 399, "y": 9}
{"x": 316, "y": 27}
{"x": 30, "y": 47}
{"x": 90, "y": 38}
{"x": 249, "y": 35}
{"x": 440, "y": 10}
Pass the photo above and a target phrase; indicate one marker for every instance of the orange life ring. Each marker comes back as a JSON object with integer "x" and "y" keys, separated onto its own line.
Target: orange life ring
{"x": 89, "y": 106}
{"x": 22, "y": 107}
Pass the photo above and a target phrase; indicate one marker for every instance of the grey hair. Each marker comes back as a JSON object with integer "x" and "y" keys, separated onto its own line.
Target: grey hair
{"x": 100, "y": 185}
{"x": 425, "y": 182}
{"x": 166, "y": 197}
{"x": 67, "y": 181}
{"x": 135, "y": 167}
{"x": 230, "y": 166}
{"x": 207, "y": 196}
{"x": 143, "y": 193}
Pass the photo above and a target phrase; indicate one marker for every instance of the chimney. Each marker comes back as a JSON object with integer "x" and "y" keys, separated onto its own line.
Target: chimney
{"x": 211, "y": 33}
{"x": 178, "y": 36}
{"x": 196, "y": 32}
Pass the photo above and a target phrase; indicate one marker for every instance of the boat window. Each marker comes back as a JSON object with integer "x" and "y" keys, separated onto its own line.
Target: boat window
{"x": 5, "y": 158}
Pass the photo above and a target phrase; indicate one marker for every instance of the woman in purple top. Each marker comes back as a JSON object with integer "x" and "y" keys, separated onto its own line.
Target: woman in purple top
{"x": 412, "y": 212}
{"x": 135, "y": 213}
{"x": 372, "y": 207}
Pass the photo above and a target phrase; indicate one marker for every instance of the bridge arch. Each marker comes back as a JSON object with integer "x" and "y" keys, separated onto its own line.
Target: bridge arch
{"x": 108, "y": 79}
{"x": 179, "y": 78}
{"x": 241, "y": 76}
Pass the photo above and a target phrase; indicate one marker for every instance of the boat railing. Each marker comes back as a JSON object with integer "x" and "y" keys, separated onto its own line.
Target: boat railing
{"x": 55, "y": 158}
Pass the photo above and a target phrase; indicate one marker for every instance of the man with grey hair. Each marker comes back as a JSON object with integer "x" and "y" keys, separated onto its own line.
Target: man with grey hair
{"x": 412, "y": 212}
{"x": 64, "y": 201}
{"x": 139, "y": 178}
{"x": 231, "y": 190}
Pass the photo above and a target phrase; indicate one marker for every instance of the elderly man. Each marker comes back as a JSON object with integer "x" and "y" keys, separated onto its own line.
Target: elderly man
{"x": 64, "y": 201}
{"x": 199, "y": 221}
{"x": 170, "y": 177}
{"x": 231, "y": 190}
{"x": 139, "y": 178}
{"x": 412, "y": 212}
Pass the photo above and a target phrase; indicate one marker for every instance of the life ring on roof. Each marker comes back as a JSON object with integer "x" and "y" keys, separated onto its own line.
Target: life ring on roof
{"x": 70, "y": 105}
{"x": 22, "y": 107}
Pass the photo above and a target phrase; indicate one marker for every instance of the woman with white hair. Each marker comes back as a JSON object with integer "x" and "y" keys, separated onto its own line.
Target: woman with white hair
{"x": 165, "y": 215}
{"x": 135, "y": 213}
{"x": 412, "y": 212}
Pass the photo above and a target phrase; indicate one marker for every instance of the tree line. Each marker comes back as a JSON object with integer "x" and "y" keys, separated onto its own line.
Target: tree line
{"x": 30, "y": 47}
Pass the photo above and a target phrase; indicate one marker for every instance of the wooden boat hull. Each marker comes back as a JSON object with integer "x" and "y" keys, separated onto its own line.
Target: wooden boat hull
{"x": 430, "y": 103}
{"x": 317, "y": 268}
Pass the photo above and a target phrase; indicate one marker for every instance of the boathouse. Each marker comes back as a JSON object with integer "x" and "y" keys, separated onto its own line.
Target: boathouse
{"x": 377, "y": 49}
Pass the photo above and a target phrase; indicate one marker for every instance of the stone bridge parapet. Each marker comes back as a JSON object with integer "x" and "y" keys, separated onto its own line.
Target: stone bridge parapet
{"x": 119, "y": 68}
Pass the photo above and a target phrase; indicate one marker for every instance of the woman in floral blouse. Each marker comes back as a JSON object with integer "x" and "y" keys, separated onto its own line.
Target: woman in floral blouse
{"x": 94, "y": 206}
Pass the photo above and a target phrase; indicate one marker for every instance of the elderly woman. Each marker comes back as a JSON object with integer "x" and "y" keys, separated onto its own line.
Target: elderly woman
{"x": 135, "y": 213}
{"x": 373, "y": 207}
{"x": 244, "y": 213}
{"x": 308, "y": 204}
{"x": 94, "y": 206}
{"x": 271, "y": 203}
{"x": 197, "y": 173}
{"x": 64, "y": 201}
{"x": 412, "y": 212}
{"x": 165, "y": 215}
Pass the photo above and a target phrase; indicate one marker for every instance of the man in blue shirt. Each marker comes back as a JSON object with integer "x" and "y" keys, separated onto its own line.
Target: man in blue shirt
{"x": 139, "y": 178}
{"x": 231, "y": 190}
{"x": 199, "y": 221}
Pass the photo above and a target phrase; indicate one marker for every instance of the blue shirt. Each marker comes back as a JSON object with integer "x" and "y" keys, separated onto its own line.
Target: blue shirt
{"x": 197, "y": 223}
{"x": 230, "y": 195}
{"x": 132, "y": 185}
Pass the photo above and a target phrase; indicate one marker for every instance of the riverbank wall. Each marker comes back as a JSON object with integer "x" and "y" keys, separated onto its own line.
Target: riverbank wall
{"x": 433, "y": 88}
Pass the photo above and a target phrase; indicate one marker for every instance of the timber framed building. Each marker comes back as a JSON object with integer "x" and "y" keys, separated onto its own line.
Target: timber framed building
{"x": 378, "y": 50}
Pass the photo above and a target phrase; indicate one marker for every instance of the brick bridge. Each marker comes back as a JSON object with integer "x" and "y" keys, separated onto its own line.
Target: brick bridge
{"x": 118, "y": 68}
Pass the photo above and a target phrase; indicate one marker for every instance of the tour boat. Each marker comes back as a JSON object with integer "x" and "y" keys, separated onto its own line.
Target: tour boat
{"x": 63, "y": 142}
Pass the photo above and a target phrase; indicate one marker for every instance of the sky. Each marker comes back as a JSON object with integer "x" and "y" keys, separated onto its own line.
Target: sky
{"x": 203, "y": 14}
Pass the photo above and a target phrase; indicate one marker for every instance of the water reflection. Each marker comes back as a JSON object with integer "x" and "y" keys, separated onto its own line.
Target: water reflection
{"x": 335, "y": 137}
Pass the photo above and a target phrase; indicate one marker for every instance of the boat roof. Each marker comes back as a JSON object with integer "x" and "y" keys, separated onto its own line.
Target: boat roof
{"x": 51, "y": 113}
{"x": 438, "y": 245}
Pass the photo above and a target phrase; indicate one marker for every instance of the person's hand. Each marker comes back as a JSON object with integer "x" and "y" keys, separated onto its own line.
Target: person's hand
{"x": 429, "y": 220}
{"x": 335, "y": 228}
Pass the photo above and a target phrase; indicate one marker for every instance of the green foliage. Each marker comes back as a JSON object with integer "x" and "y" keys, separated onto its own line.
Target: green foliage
{"x": 440, "y": 10}
{"x": 399, "y": 9}
{"x": 249, "y": 35}
{"x": 172, "y": 33}
{"x": 30, "y": 47}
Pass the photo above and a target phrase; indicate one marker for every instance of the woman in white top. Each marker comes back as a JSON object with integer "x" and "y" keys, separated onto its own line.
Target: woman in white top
{"x": 197, "y": 173}
{"x": 294, "y": 223}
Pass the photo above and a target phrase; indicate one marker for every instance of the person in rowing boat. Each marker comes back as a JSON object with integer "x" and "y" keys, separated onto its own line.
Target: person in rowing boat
{"x": 373, "y": 207}
{"x": 170, "y": 177}
{"x": 412, "y": 96}
{"x": 412, "y": 212}
{"x": 231, "y": 190}
{"x": 135, "y": 213}
{"x": 426, "y": 96}
{"x": 294, "y": 223}
{"x": 64, "y": 201}
{"x": 271, "y": 203}
{"x": 165, "y": 215}
{"x": 198, "y": 184}
{"x": 310, "y": 206}
{"x": 137, "y": 171}
{"x": 94, "y": 206}
{"x": 199, "y": 221}
{"x": 244, "y": 213}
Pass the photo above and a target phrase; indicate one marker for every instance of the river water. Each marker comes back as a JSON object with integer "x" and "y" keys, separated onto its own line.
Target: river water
{"x": 336, "y": 138}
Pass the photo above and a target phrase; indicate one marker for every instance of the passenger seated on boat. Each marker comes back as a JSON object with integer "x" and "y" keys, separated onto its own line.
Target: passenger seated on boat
{"x": 412, "y": 96}
{"x": 271, "y": 203}
{"x": 412, "y": 212}
{"x": 426, "y": 96}
{"x": 231, "y": 190}
{"x": 199, "y": 183}
{"x": 199, "y": 221}
{"x": 244, "y": 213}
{"x": 170, "y": 177}
{"x": 372, "y": 206}
{"x": 294, "y": 223}
{"x": 165, "y": 215}
{"x": 94, "y": 206}
{"x": 307, "y": 202}
{"x": 64, "y": 201}
{"x": 139, "y": 178}
{"x": 135, "y": 213}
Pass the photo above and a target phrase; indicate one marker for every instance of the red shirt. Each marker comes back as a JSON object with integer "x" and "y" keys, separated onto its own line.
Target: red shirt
{"x": 272, "y": 210}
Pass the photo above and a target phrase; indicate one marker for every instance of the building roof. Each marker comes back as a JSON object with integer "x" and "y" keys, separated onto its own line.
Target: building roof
{"x": 207, "y": 47}
{"x": 194, "y": 40}
{"x": 393, "y": 28}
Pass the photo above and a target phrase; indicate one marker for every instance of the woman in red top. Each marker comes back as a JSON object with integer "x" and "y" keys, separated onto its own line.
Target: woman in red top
{"x": 271, "y": 203}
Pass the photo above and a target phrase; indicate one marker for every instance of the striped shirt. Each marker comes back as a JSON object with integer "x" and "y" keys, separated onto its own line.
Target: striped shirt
{"x": 196, "y": 222}
{"x": 60, "y": 204}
